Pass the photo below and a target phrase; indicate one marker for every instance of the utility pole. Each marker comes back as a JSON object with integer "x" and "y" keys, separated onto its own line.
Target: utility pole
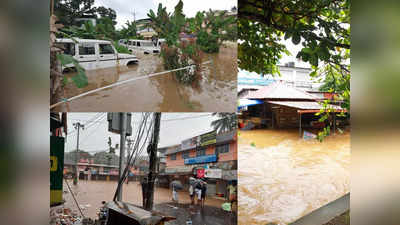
{"x": 130, "y": 143}
{"x": 122, "y": 151}
{"x": 134, "y": 16}
{"x": 152, "y": 151}
{"x": 77, "y": 126}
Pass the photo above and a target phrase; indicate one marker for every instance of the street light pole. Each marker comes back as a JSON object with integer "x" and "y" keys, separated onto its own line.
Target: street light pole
{"x": 122, "y": 151}
{"x": 77, "y": 126}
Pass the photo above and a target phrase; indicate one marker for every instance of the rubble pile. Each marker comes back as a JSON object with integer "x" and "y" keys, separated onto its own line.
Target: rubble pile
{"x": 64, "y": 216}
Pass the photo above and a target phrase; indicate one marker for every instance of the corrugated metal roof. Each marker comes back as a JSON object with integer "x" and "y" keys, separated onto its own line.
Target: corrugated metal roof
{"x": 279, "y": 90}
{"x": 221, "y": 138}
{"x": 224, "y": 137}
{"x": 304, "y": 105}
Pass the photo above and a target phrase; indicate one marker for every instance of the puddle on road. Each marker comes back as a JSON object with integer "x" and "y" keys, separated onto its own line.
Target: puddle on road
{"x": 216, "y": 91}
{"x": 284, "y": 177}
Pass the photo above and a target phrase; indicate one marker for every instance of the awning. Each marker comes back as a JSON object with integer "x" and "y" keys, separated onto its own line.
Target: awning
{"x": 307, "y": 106}
{"x": 248, "y": 102}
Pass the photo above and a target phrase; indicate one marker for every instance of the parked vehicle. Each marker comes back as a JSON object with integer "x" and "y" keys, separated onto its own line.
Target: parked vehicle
{"x": 94, "y": 54}
{"x": 146, "y": 46}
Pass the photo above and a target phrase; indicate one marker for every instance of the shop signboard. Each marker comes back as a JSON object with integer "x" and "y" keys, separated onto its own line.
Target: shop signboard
{"x": 213, "y": 173}
{"x": 229, "y": 175}
{"x": 208, "y": 138}
{"x": 56, "y": 169}
{"x": 190, "y": 143}
{"x": 201, "y": 159}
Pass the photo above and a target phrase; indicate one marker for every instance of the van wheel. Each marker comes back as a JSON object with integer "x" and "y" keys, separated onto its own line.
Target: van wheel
{"x": 130, "y": 63}
{"x": 69, "y": 70}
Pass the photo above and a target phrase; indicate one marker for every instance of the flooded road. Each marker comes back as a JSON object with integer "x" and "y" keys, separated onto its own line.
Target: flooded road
{"x": 282, "y": 177}
{"x": 90, "y": 194}
{"x": 216, "y": 91}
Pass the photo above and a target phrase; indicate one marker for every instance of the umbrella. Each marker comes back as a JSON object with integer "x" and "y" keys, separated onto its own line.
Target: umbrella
{"x": 192, "y": 180}
{"x": 177, "y": 185}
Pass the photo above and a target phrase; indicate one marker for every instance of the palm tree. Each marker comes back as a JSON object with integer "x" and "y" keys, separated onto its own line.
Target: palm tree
{"x": 226, "y": 122}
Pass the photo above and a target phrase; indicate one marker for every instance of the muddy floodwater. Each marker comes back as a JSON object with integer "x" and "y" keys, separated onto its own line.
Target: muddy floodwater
{"x": 216, "y": 91}
{"x": 282, "y": 177}
{"x": 90, "y": 194}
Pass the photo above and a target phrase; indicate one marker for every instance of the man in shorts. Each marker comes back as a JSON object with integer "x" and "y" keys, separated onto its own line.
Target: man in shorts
{"x": 198, "y": 192}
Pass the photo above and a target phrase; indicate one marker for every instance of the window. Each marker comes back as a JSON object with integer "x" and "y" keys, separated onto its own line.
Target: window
{"x": 106, "y": 170}
{"x": 106, "y": 49}
{"x": 87, "y": 49}
{"x": 201, "y": 152}
{"x": 69, "y": 48}
{"x": 138, "y": 44}
{"x": 173, "y": 156}
{"x": 185, "y": 155}
{"x": 222, "y": 149}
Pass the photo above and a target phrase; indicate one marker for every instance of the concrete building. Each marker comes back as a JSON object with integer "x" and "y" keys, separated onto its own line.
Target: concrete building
{"x": 210, "y": 155}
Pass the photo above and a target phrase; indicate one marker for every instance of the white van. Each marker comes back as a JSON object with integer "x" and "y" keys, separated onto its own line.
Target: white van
{"x": 95, "y": 54}
{"x": 146, "y": 46}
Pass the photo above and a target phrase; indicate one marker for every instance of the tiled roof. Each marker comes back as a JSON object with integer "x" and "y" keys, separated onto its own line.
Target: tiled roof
{"x": 279, "y": 90}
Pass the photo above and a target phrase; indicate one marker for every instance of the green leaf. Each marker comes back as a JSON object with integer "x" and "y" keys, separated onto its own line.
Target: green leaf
{"x": 313, "y": 74}
{"x": 66, "y": 59}
{"x": 287, "y": 35}
{"x": 80, "y": 79}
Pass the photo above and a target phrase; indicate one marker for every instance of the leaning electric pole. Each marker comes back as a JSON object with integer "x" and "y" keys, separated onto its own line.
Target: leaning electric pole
{"x": 152, "y": 151}
{"x": 77, "y": 126}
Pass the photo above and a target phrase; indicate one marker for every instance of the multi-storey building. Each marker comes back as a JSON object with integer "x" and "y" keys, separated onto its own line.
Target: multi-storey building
{"x": 210, "y": 155}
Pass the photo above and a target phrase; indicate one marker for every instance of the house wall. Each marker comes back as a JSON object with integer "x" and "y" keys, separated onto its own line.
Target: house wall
{"x": 286, "y": 117}
{"x": 210, "y": 150}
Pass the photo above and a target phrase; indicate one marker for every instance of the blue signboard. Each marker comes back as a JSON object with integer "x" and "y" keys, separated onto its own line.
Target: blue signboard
{"x": 201, "y": 159}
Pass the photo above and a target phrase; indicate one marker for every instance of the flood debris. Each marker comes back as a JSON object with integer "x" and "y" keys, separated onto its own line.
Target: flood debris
{"x": 64, "y": 216}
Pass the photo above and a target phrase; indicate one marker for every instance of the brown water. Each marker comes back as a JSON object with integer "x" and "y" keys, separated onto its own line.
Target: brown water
{"x": 90, "y": 194}
{"x": 284, "y": 177}
{"x": 216, "y": 91}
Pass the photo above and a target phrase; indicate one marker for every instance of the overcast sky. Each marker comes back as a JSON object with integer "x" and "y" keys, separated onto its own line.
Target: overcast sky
{"x": 125, "y": 8}
{"x": 293, "y": 49}
{"x": 175, "y": 127}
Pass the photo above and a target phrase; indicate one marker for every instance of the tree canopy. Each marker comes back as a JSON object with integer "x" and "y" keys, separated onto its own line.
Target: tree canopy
{"x": 225, "y": 122}
{"x": 69, "y": 10}
{"x": 321, "y": 26}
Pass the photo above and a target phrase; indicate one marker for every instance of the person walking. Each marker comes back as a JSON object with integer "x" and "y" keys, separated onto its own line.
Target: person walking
{"x": 198, "y": 191}
{"x": 191, "y": 193}
{"x": 232, "y": 192}
{"x": 203, "y": 193}
{"x": 174, "y": 194}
